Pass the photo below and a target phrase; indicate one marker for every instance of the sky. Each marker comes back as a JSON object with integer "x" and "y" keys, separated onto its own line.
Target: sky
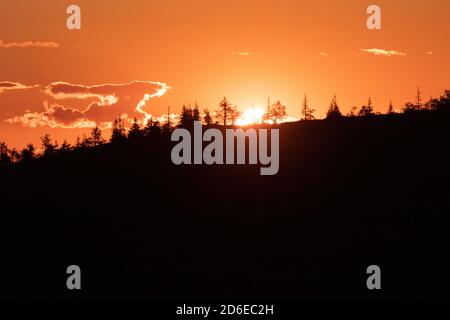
{"x": 138, "y": 57}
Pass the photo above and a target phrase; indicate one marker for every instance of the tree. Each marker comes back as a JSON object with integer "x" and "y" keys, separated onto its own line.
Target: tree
{"x": 65, "y": 147}
{"x": 207, "y": 117}
{"x": 47, "y": 146}
{"x": 277, "y": 112}
{"x": 307, "y": 113}
{"x": 226, "y": 111}
{"x": 443, "y": 103}
{"x": 4, "y": 154}
{"x": 234, "y": 115}
{"x": 334, "y": 111}
{"x": 78, "y": 143}
{"x": 409, "y": 107}
{"x": 418, "y": 99}
{"x": 186, "y": 117}
{"x": 135, "y": 131}
{"x": 118, "y": 131}
{"x": 28, "y": 153}
{"x": 14, "y": 155}
{"x": 86, "y": 142}
{"x": 152, "y": 128}
{"x": 196, "y": 113}
{"x": 96, "y": 137}
{"x": 352, "y": 112}
{"x": 366, "y": 110}
{"x": 167, "y": 127}
{"x": 390, "y": 108}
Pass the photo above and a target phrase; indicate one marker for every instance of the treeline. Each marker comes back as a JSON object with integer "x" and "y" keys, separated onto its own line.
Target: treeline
{"x": 225, "y": 115}
{"x": 367, "y": 110}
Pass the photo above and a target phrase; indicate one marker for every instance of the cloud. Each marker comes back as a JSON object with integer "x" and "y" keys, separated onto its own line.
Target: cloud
{"x": 323, "y": 54}
{"x": 7, "y": 85}
{"x": 430, "y": 53}
{"x": 54, "y": 116}
{"x": 241, "y": 53}
{"x": 29, "y": 44}
{"x": 104, "y": 103}
{"x": 386, "y": 53}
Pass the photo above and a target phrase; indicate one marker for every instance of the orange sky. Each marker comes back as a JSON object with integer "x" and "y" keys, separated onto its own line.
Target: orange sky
{"x": 293, "y": 47}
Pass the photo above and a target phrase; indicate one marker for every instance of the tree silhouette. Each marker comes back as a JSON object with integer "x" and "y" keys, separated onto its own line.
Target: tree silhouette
{"x": 353, "y": 112}
{"x": 118, "y": 131}
{"x": 135, "y": 131}
{"x": 28, "y": 153}
{"x": 4, "y": 154}
{"x": 443, "y": 103}
{"x": 167, "y": 127}
{"x": 225, "y": 111}
{"x": 14, "y": 155}
{"x": 307, "y": 113}
{"x": 277, "y": 112}
{"x": 234, "y": 115}
{"x": 334, "y": 111}
{"x": 366, "y": 110}
{"x": 186, "y": 117}
{"x": 390, "y": 108}
{"x": 65, "y": 147}
{"x": 96, "y": 137}
{"x": 207, "y": 117}
{"x": 196, "y": 113}
{"x": 152, "y": 128}
{"x": 47, "y": 146}
{"x": 409, "y": 107}
{"x": 418, "y": 99}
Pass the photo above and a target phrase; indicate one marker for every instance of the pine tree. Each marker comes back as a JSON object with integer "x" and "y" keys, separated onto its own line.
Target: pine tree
{"x": 390, "y": 108}
{"x": 307, "y": 113}
{"x": 47, "y": 145}
{"x": 167, "y": 127}
{"x": 196, "y": 113}
{"x": 234, "y": 114}
{"x": 305, "y": 108}
{"x": 186, "y": 117}
{"x": 334, "y": 111}
{"x": 4, "y": 154}
{"x": 65, "y": 147}
{"x": 135, "y": 131}
{"x": 225, "y": 112}
{"x": 418, "y": 99}
{"x": 96, "y": 137}
{"x": 367, "y": 110}
{"x": 28, "y": 153}
{"x": 207, "y": 117}
{"x": 118, "y": 131}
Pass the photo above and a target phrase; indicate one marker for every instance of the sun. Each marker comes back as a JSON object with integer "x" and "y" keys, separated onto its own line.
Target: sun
{"x": 251, "y": 116}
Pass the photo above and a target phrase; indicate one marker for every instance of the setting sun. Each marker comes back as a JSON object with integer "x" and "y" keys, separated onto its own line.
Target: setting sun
{"x": 251, "y": 116}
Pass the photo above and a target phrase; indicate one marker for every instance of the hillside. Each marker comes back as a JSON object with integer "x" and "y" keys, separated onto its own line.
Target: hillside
{"x": 349, "y": 193}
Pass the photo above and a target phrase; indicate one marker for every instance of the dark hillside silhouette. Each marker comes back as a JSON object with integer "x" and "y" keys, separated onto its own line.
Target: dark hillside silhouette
{"x": 350, "y": 192}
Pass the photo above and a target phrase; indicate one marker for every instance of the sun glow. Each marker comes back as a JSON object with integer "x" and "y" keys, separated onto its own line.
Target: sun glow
{"x": 251, "y": 116}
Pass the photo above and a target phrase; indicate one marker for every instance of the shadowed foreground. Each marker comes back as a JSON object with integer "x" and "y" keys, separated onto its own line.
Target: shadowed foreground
{"x": 349, "y": 194}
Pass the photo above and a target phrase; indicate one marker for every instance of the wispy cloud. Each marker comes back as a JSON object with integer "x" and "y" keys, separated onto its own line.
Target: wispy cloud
{"x": 382, "y": 52}
{"x": 323, "y": 54}
{"x": 242, "y": 53}
{"x": 105, "y": 103}
{"x": 7, "y": 85}
{"x": 29, "y": 44}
